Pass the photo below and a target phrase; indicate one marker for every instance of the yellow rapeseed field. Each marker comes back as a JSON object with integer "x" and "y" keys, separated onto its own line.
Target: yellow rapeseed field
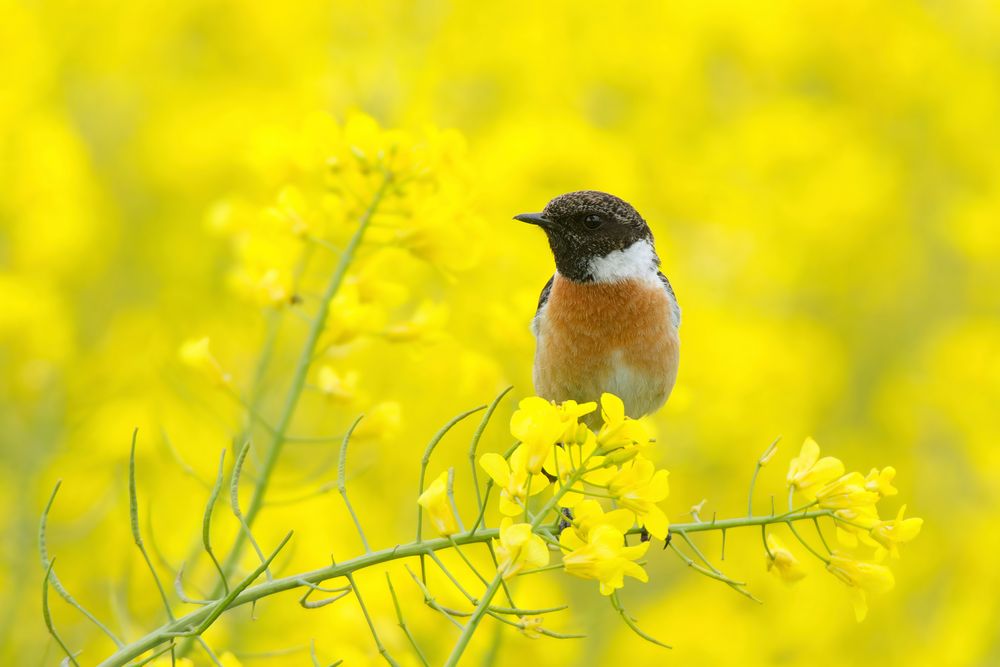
{"x": 229, "y": 229}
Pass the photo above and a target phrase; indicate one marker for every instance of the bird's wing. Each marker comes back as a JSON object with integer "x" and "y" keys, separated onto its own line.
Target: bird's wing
{"x": 675, "y": 309}
{"x": 543, "y": 298}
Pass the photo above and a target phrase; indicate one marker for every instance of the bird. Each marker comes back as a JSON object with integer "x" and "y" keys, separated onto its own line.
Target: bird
{"x": 608, "y": 319}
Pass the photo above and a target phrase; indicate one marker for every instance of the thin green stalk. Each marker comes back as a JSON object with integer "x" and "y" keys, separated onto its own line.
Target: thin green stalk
{"x": 514, "y": 611}
{"x": 47, "y": 617}
{"x": 520, "y": 626}
{"x": 496, "y": 564}
{"x": 489, "y": 487}
{"x": 209, "y": 652}
{"x": 785, "y": 517}
{"x": 761, "y": 461}
{"x": 819, "y": 531}
{"x": 216, "y": 610}
{"x": 315, "y": 658}
{"x": 342, "y": 483}
{"x": 451, "y": 499}
{"x": 477, "y": 436}
{"x": 451, "y": 577}
{"x": 465, "y": 559}
{"x": 273, "y": 327}
{"x": 234, "y": 501}
{"x": 630, "y": 622}
{"x": 433, "y": 604}
{"x": 738, "y": 586}
{"x": 402, "y": 623}
{"x": 302, "y": 370}
{"x": 473, "y": 623}
{"x": 206, "y": 523}
{"x": 424, "y": 461}
{"x": 133, "y": 508}
{"x": 491, "y": 590}
{"x": 249, "y": 594}
{"x": 54, "y": 580}
{"x": 371, "y": 624}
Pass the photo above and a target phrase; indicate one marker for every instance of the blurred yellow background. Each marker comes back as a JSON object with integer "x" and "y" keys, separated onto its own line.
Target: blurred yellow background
{"x": 823, "y": 180}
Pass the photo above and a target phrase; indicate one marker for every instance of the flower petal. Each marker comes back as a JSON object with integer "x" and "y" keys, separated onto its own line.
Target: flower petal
{"x": 496, "y": 467}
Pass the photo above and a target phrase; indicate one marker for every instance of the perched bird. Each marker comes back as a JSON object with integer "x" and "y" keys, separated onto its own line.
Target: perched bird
{"x": 607, "y": 320}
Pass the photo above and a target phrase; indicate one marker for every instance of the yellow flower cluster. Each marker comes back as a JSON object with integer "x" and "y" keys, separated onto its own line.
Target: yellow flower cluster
{"x": 380, "y": 211}
{"x": 576, "y": 468}
{"x": 851, "y": 500}
{"x": 317, "y": 184}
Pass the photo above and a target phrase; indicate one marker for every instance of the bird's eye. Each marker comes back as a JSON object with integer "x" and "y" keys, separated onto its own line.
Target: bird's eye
{"x": 592, "y": 221}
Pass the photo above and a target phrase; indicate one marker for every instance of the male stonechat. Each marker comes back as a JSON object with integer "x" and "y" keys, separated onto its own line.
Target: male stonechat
{"x": 607, "y": 320}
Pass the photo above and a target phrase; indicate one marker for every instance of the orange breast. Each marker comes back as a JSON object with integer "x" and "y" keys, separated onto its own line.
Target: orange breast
{"x": 616, "y": 337}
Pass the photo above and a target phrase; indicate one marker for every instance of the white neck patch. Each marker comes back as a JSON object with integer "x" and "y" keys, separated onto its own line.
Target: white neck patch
{"x": 636, "y": 262}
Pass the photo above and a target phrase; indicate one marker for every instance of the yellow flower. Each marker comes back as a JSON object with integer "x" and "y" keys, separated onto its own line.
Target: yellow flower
{"x": 197, "y": 354}
{"x": 383, "y": 278}
{"x": 335, "y": 386}
{"x": 846, "y": 492}
{"x": 539, "y": 424}
{"x": 381, "y": 421}
{"x": 807, "y": 471}
{"x": 514, "y": 480}
{"x": 588, "y": 515}
{"x": 364, "y": 137}
{"x": 352, "y": 316}
{"x": 427, "y": 321}
{"x": 768, "y": 455}
{"x": 881, "y": 481}
{"x": 890, "y": 534}
{"x": 862, "y": 577}
{"x": 291, "y": 211}
{"x": 603, "y": 556}
{"x": 856, "y": 522}
{"x": 530, "y": 626}
{"x": 518, "y": 548}
{"x": 435, "y": 500}
{"x": 618, "y": 430}
{"x": 783, "y": 562}
{"x": 572, "y": 411}
{"x": 265, "y": 287}
{"x": 638, "y": 486}
{"x": 563, "y": 461}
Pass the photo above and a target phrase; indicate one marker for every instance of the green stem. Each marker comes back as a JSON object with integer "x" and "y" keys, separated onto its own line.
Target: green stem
{"x": 301, "y": 371}
{"x": 410, "y": 550}
{"x": 279, "y": 431}
{"x": 473, "y": 623}
{"x": 491, "y": 590}
{"x": 761, "y": 461}
{"x": 787, "y": 518}
{"x": 477, "y": 436}
{"x": 424, "y": 462}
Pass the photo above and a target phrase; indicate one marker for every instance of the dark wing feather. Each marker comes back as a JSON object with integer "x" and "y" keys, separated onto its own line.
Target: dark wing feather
{"x": 673, "y": 297}
{"x": 666, "y": 283}
{"x": 542, "y": 300}
{"x": 544, "y": 296}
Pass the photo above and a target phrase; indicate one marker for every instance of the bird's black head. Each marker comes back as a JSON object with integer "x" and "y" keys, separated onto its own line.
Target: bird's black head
{"x": 586, "y": 226}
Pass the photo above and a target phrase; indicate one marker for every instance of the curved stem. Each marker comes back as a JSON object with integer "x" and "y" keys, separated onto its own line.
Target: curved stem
{"x": 788, "y": 516}
{"x": 491, "y": 590}
{"x": 306, "y": 357}
{"x": 410, "y": 550}
{"x": 301, "y": 371}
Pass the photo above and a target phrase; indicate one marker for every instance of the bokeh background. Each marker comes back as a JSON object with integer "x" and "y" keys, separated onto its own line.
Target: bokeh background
{"x": 823, "y": 179}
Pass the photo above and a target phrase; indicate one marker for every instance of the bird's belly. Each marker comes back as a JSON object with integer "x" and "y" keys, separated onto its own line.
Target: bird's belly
{"x": 616, "y": 338}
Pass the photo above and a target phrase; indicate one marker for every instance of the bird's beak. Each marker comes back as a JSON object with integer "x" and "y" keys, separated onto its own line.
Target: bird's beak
{"x": 534, "y": 219}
